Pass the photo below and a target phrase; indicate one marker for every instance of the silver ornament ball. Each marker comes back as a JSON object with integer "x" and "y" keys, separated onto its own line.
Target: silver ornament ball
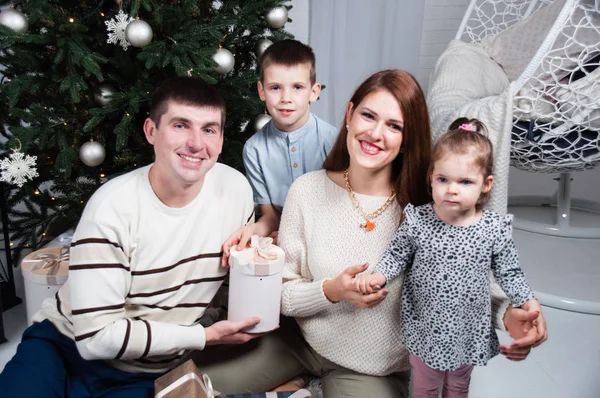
{"x": 225, "y": 61}
{"x": 92, "y": 153}
{"x": 104, "y": 91}
{"x": 260, "y": 121}
{"x": 14, "y": 19}
{"x": 138, "y": 33}
{"x": 261, "y": 46}
{"x": 277, "y": 17}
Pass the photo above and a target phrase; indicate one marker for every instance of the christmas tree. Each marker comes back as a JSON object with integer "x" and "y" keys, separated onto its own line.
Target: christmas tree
{"x": 77, "y": 83}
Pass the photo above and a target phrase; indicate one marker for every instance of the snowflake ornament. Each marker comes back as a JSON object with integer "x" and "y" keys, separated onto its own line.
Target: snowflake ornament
{"x": 116, "y": 29}
{"x": 18, "y": 169}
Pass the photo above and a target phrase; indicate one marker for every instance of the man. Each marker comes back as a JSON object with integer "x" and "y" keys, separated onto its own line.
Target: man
{"x": 145, "y": 263}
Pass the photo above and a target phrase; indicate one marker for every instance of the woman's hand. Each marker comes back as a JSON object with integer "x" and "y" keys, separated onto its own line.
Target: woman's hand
{"x": 527, "y": 326}
{"x": 341, "y": 289}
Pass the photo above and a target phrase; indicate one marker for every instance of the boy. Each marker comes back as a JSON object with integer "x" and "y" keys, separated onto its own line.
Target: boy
{"x": 293, "y": 143}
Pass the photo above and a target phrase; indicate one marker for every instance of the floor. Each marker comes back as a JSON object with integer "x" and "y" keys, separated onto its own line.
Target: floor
{"x": 566, "y": 366}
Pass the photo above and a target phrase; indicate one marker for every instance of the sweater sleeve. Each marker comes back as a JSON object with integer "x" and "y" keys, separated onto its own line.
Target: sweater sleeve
{"x": 301, "y": 295}
{"x": 401, "y": 250}
{"x": 99, "y": 281}
{"x": 505, "y": 266}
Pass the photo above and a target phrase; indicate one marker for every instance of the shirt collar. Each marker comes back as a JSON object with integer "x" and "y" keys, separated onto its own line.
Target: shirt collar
{"x": 293, "y": 136}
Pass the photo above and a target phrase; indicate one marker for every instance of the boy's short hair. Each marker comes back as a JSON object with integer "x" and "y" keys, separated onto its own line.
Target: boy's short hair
{"x": 288, "y": 53}
{"x": 189, "y": 91}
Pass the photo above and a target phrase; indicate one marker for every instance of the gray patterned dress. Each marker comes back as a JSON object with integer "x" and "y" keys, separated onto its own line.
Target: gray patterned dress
{"x": 446, "y": 303}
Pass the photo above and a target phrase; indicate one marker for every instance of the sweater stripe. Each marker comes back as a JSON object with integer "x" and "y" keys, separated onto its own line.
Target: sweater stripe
{"x": 96, "y": 309}
{"x": 149, "y": 342}
{"x": 170, "y": 267}
{"x": 97, "y": 266}
{"x": 250, "y": 217}
{"x": 86, "y": 336}
{"x": 95, "y": 240}
{"x": 58, "y": 304}
{"x": 125, "y": 340}
{"x": 175, "y": 288}
{"x": 161, "y": 361}
{"x": 184, "y": 305}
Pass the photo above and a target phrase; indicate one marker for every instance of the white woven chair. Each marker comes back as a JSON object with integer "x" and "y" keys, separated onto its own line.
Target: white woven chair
{"x": 556, "y": 97}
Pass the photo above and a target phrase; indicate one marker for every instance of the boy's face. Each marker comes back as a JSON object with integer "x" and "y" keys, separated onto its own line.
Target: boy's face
{"x": 287, "y": 92}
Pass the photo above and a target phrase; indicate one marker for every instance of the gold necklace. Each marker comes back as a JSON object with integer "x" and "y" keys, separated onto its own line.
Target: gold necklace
{"x": 369, "y": 225}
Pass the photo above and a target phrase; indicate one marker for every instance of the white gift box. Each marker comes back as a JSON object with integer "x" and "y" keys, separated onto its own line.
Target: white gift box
{"x": 255, "y": 283}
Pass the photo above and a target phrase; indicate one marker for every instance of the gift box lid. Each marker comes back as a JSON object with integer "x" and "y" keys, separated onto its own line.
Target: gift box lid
{"x": 262, "y": 258}
{"x": 47, "y": 266}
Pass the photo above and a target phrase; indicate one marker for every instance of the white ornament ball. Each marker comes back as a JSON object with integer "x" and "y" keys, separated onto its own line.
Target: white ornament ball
{"x": 92, "y": 153}
{"x": 260, "y": 121}
{"x": 14, "y": 19}
{"x": 261, "y": 46}
{"x": 277, "y": 17}
{"x": 225, "y": 61}
{"x": 138, "y": 33}
{"x": 104, "y": 91}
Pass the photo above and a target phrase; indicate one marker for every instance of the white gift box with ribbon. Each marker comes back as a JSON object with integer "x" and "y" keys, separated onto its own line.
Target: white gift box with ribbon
{"x": 255, "y": 283}
{"x": 44, "y": 272}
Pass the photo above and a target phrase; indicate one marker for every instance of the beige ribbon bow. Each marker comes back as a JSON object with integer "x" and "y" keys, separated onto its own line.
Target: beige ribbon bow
{"x": 51, "y": 261}
{"x": 263, "y": 247}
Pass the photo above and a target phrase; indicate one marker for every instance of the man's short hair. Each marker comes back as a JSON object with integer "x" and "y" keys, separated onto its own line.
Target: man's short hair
{"x": 186, "y": 90}
{"x": 288, "y": 53}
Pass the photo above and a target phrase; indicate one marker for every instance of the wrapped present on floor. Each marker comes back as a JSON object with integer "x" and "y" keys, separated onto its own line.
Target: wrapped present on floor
{"x": 302, "y": 393}
{"x": 44, "y": 272}
{"x": 185, "y": 381}
{"x": 255, "y": 283}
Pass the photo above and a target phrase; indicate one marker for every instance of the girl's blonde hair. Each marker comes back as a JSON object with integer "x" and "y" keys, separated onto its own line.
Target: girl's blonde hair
{"x": 466, "y": 136}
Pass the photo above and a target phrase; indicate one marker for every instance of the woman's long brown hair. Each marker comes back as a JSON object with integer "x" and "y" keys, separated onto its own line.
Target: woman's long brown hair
{"x": 409, "y": 168}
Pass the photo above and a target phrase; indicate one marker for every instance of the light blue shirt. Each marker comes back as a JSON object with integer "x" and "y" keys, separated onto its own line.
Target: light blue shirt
{"x": 274, "y": 159}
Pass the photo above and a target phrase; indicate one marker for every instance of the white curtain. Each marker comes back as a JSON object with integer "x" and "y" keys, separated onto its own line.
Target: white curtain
{"x": 352, "y": 39}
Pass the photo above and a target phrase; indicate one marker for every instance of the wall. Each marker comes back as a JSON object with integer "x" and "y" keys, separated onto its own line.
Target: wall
{"x": 441, "y": 21}
{"x": 299, "y": 14}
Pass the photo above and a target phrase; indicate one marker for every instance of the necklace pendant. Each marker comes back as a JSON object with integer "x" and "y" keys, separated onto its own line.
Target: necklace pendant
{"x": 369, "y": 225}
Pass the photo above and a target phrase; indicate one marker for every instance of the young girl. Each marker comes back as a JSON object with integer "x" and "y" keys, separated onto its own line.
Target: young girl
{"x": 447, "y": 249}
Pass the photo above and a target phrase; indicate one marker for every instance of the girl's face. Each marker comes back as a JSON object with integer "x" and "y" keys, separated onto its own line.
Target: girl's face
{"x": 375, "y": 129}
{"x": 457, "y": 182}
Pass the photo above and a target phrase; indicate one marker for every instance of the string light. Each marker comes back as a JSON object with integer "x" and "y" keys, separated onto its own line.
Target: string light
{"x": 43, "y": 234}
{"x": 11, "y": 244}
{"x": 81, "y": 201}
{"x": 65, "y": 123}
{"x": 53, "y": 198}
{"x": 102, "y": 175}
{"x": 36, "y": 192}
{"x": 101, "y": 14}
{"x": 71, "y": 20}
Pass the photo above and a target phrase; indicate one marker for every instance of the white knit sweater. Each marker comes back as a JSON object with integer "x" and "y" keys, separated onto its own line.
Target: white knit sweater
{"x": 321, "y": 235}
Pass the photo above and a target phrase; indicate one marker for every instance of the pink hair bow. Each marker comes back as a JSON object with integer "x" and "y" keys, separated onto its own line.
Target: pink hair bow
{"x": 467, "y": 127}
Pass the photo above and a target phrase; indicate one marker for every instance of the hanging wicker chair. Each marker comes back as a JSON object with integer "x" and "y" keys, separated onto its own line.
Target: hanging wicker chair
{"x": 549, "y": 52}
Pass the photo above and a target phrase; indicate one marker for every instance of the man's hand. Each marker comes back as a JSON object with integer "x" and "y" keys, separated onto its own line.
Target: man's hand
{"x": 231, "y": 332}
{"x": 239, "y": 238}
{"x": 527, "y": 327}
{"x": 342, "y": 289}
{"x": 539, "y": 322}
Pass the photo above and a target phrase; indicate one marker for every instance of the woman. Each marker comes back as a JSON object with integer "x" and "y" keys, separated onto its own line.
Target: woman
{"x": 344, "y": 215}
